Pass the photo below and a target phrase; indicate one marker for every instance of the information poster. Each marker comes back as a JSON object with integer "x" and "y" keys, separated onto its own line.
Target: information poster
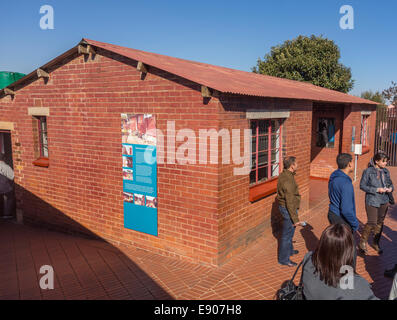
{"x": 139, "y": 172}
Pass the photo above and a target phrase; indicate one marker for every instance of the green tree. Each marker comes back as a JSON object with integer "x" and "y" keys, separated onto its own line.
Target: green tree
{"x": 391, "y": 93}
{"x": 374, "y": 96}
{"x": 311, "y": 59}
{"x": 381, "y": 108}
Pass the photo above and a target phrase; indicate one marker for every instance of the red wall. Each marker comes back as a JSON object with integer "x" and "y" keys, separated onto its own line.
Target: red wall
{"x": 241, "y": 221}
{"x": 82, "y": 189}
{"x": 204, "y": 214}
{"x": 352, "y": 117}
{"x": 323, "y": 159}
{"x": 346, "y": 117}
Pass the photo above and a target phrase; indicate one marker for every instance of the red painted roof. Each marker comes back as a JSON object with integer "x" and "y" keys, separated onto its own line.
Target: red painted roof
{"x": 231, "y": 80}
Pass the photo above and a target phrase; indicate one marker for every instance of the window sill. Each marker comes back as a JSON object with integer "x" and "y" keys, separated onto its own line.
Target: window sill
{"x": 365, "y": 150}
{"x": 263, "y": 190}
{"x": 318, "y": 178}
{"x": 42, "y": 162}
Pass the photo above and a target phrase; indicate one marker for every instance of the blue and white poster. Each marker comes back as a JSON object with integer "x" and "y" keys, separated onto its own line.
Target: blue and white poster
{"x": 139, "y": 172}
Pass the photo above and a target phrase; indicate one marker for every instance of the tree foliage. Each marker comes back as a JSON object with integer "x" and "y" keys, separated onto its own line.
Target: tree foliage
{"x": 374, "y": 96}
{"x": 391, "y": 93}
{"x": 311, "y": 59}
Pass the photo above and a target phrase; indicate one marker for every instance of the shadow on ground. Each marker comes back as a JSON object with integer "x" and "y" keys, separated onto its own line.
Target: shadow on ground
{"x": 311, "y": 240}
{"x": 309, "y": 237}
{"x": 83, "y": 268}
{"x": 375, "y": 263}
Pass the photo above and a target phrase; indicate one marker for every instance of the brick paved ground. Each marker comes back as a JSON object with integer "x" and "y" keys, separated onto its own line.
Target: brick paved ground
{"x": 92, "y": 269}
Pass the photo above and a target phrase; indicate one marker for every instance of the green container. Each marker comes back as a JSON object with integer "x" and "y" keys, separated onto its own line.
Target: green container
{"x": 7, "y": 78}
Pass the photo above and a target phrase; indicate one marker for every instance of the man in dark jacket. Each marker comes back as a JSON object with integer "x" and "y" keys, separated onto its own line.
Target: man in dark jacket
{"x": 289, "y": 200}
{"x": 342, "y": 206}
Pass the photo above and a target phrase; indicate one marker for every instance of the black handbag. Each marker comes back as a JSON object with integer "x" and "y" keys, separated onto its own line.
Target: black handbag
{"x": 290, "y": 291}
{"x": 391, "y": 198}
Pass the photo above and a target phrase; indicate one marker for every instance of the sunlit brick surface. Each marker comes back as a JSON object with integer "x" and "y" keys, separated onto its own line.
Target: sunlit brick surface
{"x": 204, "y": 212}
{"x": 93, "y": 269}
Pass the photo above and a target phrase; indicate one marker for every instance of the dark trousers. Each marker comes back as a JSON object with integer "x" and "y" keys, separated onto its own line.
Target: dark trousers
{"x": 334, "y": 219}
{"x": 376, "y": 216}
{"x": 8, "y": 203}
{"x": 288, "y": 231}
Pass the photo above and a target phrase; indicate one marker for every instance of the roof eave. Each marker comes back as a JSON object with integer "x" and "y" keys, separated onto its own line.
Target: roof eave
{"x": 46, "y": 66}
{"x": 85, "y": 41}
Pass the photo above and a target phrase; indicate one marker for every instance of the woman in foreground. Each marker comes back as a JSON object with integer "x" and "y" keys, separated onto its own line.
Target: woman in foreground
{"x": 323, "y": 276}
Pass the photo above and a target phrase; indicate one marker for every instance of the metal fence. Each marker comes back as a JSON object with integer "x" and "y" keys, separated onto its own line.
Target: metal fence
{"x": 386, "y": 133}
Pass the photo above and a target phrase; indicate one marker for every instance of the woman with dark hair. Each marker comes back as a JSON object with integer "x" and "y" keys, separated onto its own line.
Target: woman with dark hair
{"x": 331, "y": 264}
{"x": 376, "y": 183}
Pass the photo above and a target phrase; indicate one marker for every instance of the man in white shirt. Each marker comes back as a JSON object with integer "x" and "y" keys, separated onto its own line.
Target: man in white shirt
{"x": 7, "y": 187}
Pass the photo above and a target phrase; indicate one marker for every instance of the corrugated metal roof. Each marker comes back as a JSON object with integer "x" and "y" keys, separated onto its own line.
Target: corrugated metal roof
{"x": 231, "y": 80}
{"x": 222, "y": 79}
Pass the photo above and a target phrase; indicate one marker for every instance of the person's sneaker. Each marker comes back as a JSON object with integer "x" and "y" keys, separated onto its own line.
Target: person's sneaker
{"x": 292, "y": 264}
{"x": 391, "y": 273}
{"x": 289, "y": 264}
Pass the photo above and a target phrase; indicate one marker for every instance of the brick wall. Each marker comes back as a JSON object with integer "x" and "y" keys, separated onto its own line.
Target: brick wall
{"x": 323, "y": 158}
{"x": 346, "y": 116}
{"x": 364, "y": 159}
{"x": 240, "y": 221}
{"x": 352, "y": 118}
{"x": 204, "y": 214}
{"x": 82, "y": 189}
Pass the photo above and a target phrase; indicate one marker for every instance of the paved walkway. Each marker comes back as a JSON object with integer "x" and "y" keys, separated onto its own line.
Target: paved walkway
{"x": 92, "y": 269}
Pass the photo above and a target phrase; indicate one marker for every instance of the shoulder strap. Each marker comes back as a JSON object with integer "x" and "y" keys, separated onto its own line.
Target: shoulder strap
{"x": 304, "y": 263}
{"x": 300, "y": 264}
{"x": 296, "y": 271}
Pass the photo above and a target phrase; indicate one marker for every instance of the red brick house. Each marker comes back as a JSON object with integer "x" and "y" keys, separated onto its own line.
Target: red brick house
{"x": 63, "y": 122}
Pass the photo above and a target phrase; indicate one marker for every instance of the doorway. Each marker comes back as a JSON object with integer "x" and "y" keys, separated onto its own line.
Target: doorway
{"x": 326, "y": 144}
{"x": 6, "y": 149}
{"x": 327, "y": 124}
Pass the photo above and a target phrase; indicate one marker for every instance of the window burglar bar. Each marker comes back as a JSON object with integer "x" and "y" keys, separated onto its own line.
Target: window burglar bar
{"x": 364, "y": 130}
{"x": 43, "y": 136}
{"x": 266, "y": 146}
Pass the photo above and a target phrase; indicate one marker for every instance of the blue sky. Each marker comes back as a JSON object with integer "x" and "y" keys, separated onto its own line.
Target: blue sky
{"x": 230, "y": 33}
